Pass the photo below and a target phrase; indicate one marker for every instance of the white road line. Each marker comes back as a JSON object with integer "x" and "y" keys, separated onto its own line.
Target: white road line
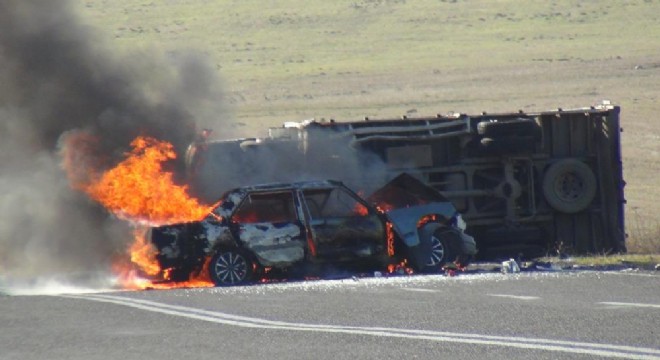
{"x": 420, "y": 290}
{"x": 517, "y": 297}
{"x": 657, "y": 306}
{"x": 605, "y": 350}
{"x": 630, "y": 274}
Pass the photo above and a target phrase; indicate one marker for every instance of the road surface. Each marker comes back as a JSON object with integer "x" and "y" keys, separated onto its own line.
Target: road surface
{"x": 538, "y": 315}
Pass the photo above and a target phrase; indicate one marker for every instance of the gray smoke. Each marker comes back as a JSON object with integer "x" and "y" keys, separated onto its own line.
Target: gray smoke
{"x": 58, "y": 78}
{"x": 319, "y": 155}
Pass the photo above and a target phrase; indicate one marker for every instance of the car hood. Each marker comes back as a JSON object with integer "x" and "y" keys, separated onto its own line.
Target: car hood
{"x": 405, "y": 190}
{"x": 405, "y": 200}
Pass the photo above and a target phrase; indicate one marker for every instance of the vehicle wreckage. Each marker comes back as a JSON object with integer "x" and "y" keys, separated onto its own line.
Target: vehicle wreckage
{"x": 289, "y": 225}
{"x": 531, "y": 183}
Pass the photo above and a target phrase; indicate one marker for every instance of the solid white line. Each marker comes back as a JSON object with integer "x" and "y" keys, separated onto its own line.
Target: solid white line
{"x": 517, "y": 297}
{"x": 630, "y": 304}
{"x": 629, "y": 274}
{"x": 606, "y": 350}
{"x": 420, "y": 290}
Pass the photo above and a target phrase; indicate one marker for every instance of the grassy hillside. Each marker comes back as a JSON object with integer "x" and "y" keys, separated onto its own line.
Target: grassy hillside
{"x": 292, "y": 60}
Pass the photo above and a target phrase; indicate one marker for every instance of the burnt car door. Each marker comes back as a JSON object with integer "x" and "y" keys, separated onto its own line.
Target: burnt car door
{"x": 343, "y": 227}
{"x": 180, "y": 249}
{"x": 267, "y": 225}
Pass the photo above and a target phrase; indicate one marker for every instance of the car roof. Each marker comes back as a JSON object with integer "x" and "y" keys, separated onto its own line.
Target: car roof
{"x": 299, "y": 185}
{"x": 232, "y": 198}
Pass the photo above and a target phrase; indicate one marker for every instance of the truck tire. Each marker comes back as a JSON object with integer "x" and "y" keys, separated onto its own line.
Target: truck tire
{"x": 508, "y": 145}
{"x": 569, "y": 186}
{"x": 506, "y": 128}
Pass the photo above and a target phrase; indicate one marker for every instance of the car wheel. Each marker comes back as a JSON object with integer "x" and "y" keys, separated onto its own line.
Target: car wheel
{"x": 436, "y": 250}
{"x": 230, "y": 267}
{"x": 569, "y": 186}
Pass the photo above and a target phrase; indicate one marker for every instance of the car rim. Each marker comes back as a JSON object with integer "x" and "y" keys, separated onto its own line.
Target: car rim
{"x": 437, "y": 252}
{"x": 231, "y": 268}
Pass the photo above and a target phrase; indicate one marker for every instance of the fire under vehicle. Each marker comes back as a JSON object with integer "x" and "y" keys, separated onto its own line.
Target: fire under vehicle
{"x": 533, "y": 183}
{"x": 314, "y": 223}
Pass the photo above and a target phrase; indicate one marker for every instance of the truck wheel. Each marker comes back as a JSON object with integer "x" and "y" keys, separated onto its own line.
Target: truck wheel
{"x": 569, "y": 186}
{"x": 508, "y": 144}
{"x": 434, "y": 251}
{"x": 230, "y": 267}
{"x": 506, "y": 128}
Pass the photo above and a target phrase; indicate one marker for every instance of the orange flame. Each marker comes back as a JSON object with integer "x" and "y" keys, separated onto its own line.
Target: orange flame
{"x": 140, "y": 191}
{"x": 384, "y": 207}
{"x": 360, "y": 210}
{"x": 426, "y": 219}
{"x": 401, "y": 268}
{"x": 390, "y": 239}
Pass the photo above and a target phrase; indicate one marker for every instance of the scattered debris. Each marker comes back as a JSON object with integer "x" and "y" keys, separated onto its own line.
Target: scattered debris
{"x": 548, "y": 267}
{"x": 510, "y": 266}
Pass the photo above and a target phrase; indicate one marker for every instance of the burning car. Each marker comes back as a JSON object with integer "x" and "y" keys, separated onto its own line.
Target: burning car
{"x": 281, "y": 226}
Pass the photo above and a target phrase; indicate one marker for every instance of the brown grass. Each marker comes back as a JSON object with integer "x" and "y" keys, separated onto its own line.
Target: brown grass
{"x": 643, "y": 237}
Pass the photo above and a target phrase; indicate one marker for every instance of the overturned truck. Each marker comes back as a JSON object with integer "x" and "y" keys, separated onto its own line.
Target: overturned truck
{"x": 526, "y": 183}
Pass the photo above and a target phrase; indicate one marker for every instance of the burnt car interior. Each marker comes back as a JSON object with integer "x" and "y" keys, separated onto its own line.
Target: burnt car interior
{"x": 341, "y": 223}
{"x": 324, "y": 203}
{"x": 274, "y": 207}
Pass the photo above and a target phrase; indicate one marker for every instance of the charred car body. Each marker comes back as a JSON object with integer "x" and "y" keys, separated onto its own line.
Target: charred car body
{"x": 315, "y": 222}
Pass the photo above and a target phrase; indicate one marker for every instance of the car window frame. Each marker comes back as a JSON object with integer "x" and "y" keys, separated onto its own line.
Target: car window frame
{"x": 293, "y": 212}
{"x": 351, "y": 194}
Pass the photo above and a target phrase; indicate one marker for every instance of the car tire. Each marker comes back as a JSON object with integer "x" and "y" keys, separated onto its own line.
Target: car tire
{"x": 229, "y": 267}
{"x": 437, "y": 249}
{"x": 569, "y": 186}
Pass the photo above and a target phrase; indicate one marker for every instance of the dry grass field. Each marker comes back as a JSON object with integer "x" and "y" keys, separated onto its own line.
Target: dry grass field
{"x": 292, "y": 60}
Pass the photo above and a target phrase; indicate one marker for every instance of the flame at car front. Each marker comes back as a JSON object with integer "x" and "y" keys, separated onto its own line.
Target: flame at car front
{"x": 140, "y": 191}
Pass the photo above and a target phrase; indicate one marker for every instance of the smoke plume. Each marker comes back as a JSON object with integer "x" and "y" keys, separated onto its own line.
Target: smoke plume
{"x": 59, "y": 79}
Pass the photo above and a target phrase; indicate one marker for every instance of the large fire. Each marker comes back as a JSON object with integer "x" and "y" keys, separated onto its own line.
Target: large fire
{"x": 139, "y": 190}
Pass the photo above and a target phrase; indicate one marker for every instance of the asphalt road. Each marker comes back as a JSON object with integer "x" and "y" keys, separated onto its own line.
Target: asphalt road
{"x": 568, "y": 315}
